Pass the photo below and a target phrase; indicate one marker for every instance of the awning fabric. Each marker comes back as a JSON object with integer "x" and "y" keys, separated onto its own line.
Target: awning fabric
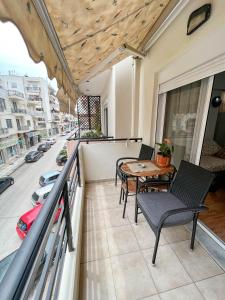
{"x": 66, "y": 105}
{"x": 88, "y": 32}
{"x": 23, "y": 14}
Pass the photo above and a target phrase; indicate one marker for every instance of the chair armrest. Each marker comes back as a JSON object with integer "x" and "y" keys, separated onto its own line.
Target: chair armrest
{"x": 123, "y": 158}
{"x": 180, "y": 210}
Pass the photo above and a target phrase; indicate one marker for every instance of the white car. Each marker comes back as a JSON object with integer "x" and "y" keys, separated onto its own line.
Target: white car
{"x": 41, "y": 194}
{"x": 51, "y": 141}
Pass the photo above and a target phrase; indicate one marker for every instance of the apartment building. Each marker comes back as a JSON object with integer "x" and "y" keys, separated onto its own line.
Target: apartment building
{"x": 25, "y": 114}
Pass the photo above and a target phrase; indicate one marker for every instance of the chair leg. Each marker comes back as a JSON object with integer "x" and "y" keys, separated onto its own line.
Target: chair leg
{"x": 156, "y": 246}
{"x": 195, "y": 219}
{"x": 136, "y": 212}
{"x": 125, "y": 204}
{"x": 121, "y": 192}
{"x": 116, "y": 179}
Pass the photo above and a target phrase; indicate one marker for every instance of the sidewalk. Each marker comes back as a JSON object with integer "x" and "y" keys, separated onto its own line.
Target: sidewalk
{"x": 8, "y": 169}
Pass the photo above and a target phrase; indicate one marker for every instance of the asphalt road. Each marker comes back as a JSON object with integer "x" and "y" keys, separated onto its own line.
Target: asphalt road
{"x": 16, "y": 200}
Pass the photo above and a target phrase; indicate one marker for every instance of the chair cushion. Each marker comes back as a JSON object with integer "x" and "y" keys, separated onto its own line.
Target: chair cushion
{"x": 154, "y": 205}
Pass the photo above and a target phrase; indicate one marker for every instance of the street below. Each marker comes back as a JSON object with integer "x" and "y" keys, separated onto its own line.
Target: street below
{"x": 16, "y": 200}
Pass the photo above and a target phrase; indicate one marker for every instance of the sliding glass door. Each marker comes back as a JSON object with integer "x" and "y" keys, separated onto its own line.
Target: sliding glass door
{"x": 182, "y": 115}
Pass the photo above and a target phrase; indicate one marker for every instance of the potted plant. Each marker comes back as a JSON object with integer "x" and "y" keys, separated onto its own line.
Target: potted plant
{"x": 164, "y": 154}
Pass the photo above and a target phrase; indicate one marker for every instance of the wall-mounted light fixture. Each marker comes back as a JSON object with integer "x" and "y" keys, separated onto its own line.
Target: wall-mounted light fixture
{"x": 216, "y": 101}
{"x": 198, "y": 17}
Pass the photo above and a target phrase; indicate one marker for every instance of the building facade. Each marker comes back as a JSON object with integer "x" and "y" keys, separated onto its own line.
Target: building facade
{"x": 25, "y": 114}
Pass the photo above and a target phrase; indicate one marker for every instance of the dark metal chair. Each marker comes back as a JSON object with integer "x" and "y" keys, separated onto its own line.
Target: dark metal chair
{"x": 146, "y": 153}
{"x": 180, "y": 205}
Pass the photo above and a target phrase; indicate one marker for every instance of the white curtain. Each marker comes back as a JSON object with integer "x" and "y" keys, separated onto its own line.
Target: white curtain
{"x": 180, "y": 116}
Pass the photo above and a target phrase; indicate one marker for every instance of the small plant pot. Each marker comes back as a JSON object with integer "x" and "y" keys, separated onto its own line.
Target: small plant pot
{"x": 163, "y": 161}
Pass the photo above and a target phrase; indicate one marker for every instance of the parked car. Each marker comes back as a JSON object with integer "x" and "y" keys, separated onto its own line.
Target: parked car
{"x": 51, "y": 141}
{"x": 61, "y": 158}
{"x": 63, "y": 134}
{"x": 5, "y": 182}
{"x": 33, "y": 156}
{"x": 44, "y": 147}
{"x": 40, "y": 195}
{"x": 49, "y": 177}
{"x": 26, "y": 220}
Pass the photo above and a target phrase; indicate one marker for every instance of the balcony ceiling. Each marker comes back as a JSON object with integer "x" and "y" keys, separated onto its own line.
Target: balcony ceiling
{"x": 73, "y": 37}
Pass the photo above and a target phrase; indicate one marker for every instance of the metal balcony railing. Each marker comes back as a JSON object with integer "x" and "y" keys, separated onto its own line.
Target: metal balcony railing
{"x": 19, "y": 281}
{"x": 4, "y": 131}
{"x": 23, "y": 128}
{"x": 15, "y": 93}
{"x": 18, "y": 110}
{"x": 34, "y": 98}
{"x": 35, "y": 89}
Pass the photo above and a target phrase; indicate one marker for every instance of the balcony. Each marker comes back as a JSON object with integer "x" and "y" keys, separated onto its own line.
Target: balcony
{"x": 33, "y": 99}
{"x": 19, "y": 111}
{"x": 36, "y": 114}
{"x": 99, "y": 254}
{"x": 15, "y": 95}
{"x": 23, "y": 128}
{"x": 33, "y": 90}
{"x": 4, "y": 131}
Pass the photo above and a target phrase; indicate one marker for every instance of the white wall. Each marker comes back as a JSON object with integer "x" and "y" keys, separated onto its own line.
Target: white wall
{"x": 108, "y": 100}
{"x": 123, "y": 97}
{"x": 100, "y": 158}
{"x": 176, "y": 53}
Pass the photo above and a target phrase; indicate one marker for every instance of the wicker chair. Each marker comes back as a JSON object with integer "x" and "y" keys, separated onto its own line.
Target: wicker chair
{"x": 180, "y": 205}
{"x": 146, "y": 153}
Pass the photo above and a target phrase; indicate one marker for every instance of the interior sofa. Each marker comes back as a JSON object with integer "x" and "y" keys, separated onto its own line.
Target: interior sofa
{"x": 213, "y": 160}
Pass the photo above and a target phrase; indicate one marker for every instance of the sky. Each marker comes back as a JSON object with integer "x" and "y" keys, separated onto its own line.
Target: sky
{"x": 14, "y": 55}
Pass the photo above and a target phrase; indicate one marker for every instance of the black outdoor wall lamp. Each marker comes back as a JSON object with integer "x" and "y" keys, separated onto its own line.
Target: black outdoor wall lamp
{"x": 216, "y": 101}
{"x": 198, "y": 17}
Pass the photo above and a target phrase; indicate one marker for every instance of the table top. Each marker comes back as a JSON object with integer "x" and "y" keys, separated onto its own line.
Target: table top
{"x": 145, "y": 173}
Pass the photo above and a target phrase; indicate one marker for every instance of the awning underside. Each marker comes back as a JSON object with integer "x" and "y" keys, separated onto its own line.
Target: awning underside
{"x": 89, "y": 31}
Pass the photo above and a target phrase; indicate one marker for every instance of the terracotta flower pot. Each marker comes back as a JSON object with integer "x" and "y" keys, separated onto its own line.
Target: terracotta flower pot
{"x": 163, "y": 161}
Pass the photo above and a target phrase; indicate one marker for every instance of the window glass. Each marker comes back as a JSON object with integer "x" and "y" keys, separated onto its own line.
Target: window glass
{"x": 180, "y": 117}
{"x": 13, "y": 85}
{"x": 8, "y": 123}
{"x": 2, "y": 104}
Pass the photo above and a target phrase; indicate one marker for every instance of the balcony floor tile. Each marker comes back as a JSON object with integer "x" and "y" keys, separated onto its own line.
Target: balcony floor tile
{"x": 213, "y": 288}
{"x": 97, "y": 281}
{"x": 121, "y": 240}
{"x": 95, "y": 246}
{"x": 117, "y": 253}
{"x": 132, "y": 277}
{"x": 186, "y": 292}
{"x": 197, "y": 263}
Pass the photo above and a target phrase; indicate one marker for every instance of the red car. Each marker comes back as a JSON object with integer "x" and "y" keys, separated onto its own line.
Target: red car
{"x": 25, "y": 222}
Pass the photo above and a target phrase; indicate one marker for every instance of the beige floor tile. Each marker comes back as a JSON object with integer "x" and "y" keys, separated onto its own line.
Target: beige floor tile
{"x": 132, "y": 278}
{"x": 121, "y": 240}
{"x": 176, "y": 234}
{"x": 145, "y": 236}
{"x": 113, "y": 218}
{"x": 95, "y": 246}
{"x": 197, "y": 262}
{"x": 130, "y": 213}
{"x": 110, "y": 202}
{"x": 96, "y": 281}
{"x": 155, "y": 297}
{"x": 213, "y": 288}
{"x": 168, "y": 273}
{"x": 94, "y": 221}
{"x": 186, "y": 292}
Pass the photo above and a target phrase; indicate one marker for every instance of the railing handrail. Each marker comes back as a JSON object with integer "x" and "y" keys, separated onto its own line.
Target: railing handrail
{"x": 105, "y": 139}
{"x": 16, "y": 277}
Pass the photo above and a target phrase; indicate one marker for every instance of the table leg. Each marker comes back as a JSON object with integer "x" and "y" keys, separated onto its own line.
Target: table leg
{"x": 136, "y": 206}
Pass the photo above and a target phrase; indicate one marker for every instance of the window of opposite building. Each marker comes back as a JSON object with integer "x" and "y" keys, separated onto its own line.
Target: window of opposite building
{"x": 2, "y": 104}
{"x": 8, "y": 123}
